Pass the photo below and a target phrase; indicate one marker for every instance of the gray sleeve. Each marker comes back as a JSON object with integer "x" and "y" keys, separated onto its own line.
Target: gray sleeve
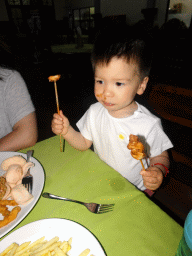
{"x": 17, "y": 99}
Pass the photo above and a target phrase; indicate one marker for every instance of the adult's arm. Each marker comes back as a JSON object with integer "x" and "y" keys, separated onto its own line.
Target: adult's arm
{"x": 24, "y": 134}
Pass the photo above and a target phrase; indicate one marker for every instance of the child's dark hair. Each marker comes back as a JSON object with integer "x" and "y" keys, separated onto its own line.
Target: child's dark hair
{"x": 122, "y": 43}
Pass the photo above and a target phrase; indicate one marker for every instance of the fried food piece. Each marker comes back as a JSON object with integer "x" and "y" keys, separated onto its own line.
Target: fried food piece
{"x": 12, "y": 160}
{"x": 3, "y": 187}
{"x": 8, "y": 202}
{"x": 4, "y": 210}
{"x": 10, "y": 217}
{"x": 21, "y": 195}
{"x": 14, "y": 174}
{"x": 136, "y": 147}
{"x": 54, "y": 78}
{"x": 7, "y": 193}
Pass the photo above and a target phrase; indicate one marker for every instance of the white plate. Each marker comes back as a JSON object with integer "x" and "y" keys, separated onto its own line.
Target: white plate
{"x": 38, "y": 183}
{"x": 64, "y": 229}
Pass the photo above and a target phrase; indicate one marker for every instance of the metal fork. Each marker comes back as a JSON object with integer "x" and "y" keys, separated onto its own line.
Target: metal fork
{"x": 27, "y": 181}
{"x": 92, "y": 207}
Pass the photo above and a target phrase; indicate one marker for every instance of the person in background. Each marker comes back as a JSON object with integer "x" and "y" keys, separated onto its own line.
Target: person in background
{"x": 121, "y": 65}
{"x": 18, "y": 124}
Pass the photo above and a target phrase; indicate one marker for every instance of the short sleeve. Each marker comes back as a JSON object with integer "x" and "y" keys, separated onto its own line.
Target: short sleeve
{"x": 18, "y": 103}
{"x": 158, "y": 140}
{"x": 84, "y": 125}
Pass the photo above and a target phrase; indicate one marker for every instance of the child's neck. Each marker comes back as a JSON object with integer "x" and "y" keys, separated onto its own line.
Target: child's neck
{"x": 126, "y": 113}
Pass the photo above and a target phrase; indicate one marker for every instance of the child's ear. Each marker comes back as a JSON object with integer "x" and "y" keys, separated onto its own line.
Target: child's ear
{"x": 143, "y": 86}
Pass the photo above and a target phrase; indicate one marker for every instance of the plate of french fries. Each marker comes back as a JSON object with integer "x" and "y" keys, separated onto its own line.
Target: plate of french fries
{"x": 38, "y": 183}
{"x": 51, "y": 237}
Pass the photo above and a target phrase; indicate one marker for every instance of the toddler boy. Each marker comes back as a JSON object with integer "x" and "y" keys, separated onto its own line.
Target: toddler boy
{"x": 121, "y": 70}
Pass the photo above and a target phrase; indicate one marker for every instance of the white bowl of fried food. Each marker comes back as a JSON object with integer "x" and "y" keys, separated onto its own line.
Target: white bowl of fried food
{"x": 15, "y": 200}
{"x": 12, "y": 192}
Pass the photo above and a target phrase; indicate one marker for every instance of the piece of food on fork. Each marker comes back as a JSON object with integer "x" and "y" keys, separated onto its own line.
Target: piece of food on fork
{"x": 137, "y": 148}
{"x": 54, "y": 78}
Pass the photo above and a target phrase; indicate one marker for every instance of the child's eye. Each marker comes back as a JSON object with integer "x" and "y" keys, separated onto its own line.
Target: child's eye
{"x": 99, "y": 82}
{"x": 119, "y": 84}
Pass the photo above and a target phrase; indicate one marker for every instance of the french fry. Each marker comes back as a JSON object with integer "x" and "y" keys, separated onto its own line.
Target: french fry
{"x": 9, "y": 248}
{"x": 46, "y": 250}
{"x": 37, "y": 246}
{"x": 26, "y": 254}
{"x": 65, "y": 246}
{"x": 37, "y": 242}
{"x": 41, "y": 247}
{"x": 13, "y": 250}
{"x": 85, "y": 252}
{"x": 70, "y": 241}
{"x": 22, "y": 248}
{"x": 52, "y": 241}
{"x": 59, "y": 252}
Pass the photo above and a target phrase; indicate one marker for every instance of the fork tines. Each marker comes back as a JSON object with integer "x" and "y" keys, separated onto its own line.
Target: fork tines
{"x": 28, "y": 183}
{"x": 103, "y": 208}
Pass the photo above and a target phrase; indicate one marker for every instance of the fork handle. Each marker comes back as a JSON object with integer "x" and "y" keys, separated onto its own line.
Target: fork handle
{"x": 29, "y": 155}
{"x": 51, "y": 196}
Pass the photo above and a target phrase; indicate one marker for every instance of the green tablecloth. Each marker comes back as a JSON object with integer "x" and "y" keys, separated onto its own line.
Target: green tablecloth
{"x": 136, "y": 226}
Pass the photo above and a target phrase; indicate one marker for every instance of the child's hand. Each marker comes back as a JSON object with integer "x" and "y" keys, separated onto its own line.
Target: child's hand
{"x": 152, "y": 178}
{"x": 60, "y": 124}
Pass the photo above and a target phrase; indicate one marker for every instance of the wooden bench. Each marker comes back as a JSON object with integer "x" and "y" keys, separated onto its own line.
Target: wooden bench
{"x": 173, "y": 106}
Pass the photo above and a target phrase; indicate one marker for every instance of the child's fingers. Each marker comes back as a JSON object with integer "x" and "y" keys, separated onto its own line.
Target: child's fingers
{"x": 57, "y": 116}
{"x": 57, "y": 121}
{"x": 57, "y": 129}
{"x": 148, "y": 174}
{"x": 145, "y": 173}
{"x": 64, "y": 119}
{"x": 57, "y": 126}
{"x": 61, "y": 114}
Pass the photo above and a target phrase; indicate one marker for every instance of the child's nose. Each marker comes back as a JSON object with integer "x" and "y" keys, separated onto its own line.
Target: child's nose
{"x": 108, "y": 91}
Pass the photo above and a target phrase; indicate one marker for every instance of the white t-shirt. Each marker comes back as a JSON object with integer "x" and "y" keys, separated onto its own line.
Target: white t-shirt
{"x": 110, "y": 138}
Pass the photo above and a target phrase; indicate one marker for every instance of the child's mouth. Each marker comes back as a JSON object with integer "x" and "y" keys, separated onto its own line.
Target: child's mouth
{"x": 108, "y": 104}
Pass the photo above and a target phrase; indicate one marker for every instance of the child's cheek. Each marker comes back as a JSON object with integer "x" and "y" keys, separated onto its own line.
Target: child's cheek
{"x": 100, "y": 96}
{"x": 98, "y": 93}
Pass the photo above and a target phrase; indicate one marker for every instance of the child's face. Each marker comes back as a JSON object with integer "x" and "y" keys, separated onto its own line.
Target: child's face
{"x": 116, "y": 85}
